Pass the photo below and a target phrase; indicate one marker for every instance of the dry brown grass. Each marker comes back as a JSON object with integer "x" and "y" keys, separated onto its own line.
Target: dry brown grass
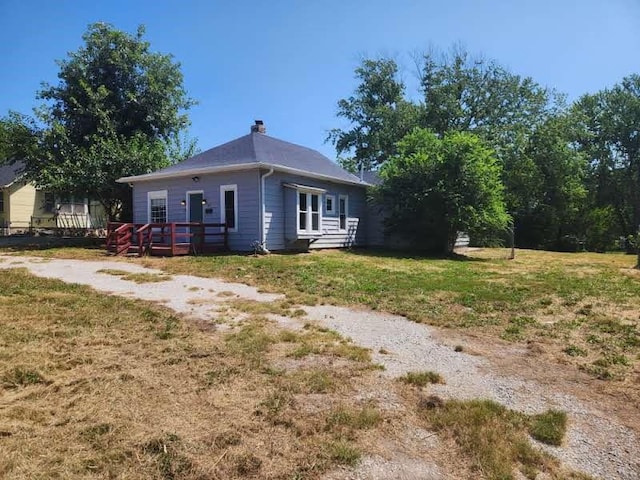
{"x": 96, "y": 386}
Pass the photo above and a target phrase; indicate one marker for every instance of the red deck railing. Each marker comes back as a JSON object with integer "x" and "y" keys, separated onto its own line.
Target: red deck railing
{"x": 176, "y": 238}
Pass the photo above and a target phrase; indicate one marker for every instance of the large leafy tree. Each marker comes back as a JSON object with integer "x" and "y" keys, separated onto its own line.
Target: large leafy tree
{"x": 523, "y": 122}
{"x": 554, "y": 199}
{"x": 378, "y": 115}
{"x": 611, "y": 140}
{"x": 438, "y": 186}
{"x": 119, "y": 109}
{"x": 463, "y": 93}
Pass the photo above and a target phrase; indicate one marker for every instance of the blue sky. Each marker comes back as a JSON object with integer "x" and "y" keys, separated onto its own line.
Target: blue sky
{"x": 289, "y": 62}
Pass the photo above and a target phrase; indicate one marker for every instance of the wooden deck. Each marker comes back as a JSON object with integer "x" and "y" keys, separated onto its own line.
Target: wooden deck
{"x": 166, "y": 239}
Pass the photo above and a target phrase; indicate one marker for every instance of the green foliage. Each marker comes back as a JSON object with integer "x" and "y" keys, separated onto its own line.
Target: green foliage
{"x": 378, "y": 113}
{"x": 343, "y": 452}
{"x": 493, "y": 437}
{"x": 549, "y": 427}
{"x": 552, "y": 202}
{"x": 17, "y": 137}
{"x": 473, "y": 94}
{"x": 118, "y": 110}
{"x": 435, "y": 188}
{"x": 610, "y": 120}
{"x": 421, "y": 379}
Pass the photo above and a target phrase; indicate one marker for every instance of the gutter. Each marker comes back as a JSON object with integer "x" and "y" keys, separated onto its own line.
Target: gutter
{"x": 263, "y": 230}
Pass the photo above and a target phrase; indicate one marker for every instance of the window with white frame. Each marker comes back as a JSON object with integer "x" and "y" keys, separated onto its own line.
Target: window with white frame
{"x": 157, "y": 206}
{"x": 343, "y": 211}
{"x": 229, "y": 206}
{"x": 309, "y": 215}
{"x": 330, "y": 204}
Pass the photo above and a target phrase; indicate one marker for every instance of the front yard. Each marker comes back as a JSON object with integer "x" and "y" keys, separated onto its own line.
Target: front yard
{"x": 98, "y": 386}
{"x": 585, "y": 306}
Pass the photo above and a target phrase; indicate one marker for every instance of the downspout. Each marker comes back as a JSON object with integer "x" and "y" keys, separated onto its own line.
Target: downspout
{"x": 263, "y": 232}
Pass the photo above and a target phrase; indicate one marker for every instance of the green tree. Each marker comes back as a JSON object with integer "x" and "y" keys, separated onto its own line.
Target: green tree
{"x": 554, "y": 199}
{"x": 467, "y": 94}
{"x": 118, "y": 110}
{"x": 436, "y": 187}
{"x": 379, "y": 116}
{"x": 18, "y": 138}
{"x": 611, "y": 140}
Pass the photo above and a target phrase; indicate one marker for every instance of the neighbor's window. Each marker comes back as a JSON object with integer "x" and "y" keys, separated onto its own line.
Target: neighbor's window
{"x": 330, "y": 204}
{"x": 343, "y": 211}
{"x": 157, "y": 206}
{"x": 49, "y": 202}
{"x": 308, "y": 212}
{"x": 229, "y": 206}
{"x": 1, "y": 201}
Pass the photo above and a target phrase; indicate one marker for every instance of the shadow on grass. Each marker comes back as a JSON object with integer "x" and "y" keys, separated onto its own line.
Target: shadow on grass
{"x": 413, "y": 255}
{"x": 30, "y": 243}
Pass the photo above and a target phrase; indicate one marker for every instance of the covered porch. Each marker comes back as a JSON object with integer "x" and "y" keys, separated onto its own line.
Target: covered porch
{"x": 166, "y": 239}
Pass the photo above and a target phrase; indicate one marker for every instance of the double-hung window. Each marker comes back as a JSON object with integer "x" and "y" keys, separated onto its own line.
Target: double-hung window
{"x": 157, "y": 206}
{"x": 229, "y": 206}
{"x": 343, "y": 211}
{"x": 309, "y": 215}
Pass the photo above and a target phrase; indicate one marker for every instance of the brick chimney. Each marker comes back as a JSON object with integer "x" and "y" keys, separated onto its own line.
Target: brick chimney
{"x": 258, "y": 127}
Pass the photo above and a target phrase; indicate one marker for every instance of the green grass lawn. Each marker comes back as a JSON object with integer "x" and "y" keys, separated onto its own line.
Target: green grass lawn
{"x": 585, "y": 304}
{"x": 106, "y": 387}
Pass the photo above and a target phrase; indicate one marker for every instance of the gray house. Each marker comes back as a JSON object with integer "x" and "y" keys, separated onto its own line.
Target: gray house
{"x": 281, "y": 195}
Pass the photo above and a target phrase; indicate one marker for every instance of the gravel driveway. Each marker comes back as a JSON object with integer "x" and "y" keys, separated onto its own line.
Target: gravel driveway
{"x": 596, "y": 443}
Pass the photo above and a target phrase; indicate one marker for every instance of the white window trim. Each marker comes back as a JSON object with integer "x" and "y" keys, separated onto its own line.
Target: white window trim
{"x": 346, "y": 213}
{"x": 188, "y": 204}
{"x": 308, "y": 230}
{"x": 72, "y": 202}
{"x": 333, "y": 204}
{"x": 223, "y": 218}
{"x": 154, "y": 196}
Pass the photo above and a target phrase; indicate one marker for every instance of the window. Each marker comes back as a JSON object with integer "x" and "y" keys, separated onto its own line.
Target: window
{"x": 309, "y": 217}
{"x": 343, "y": 211}
{"x": 157, "y": 202}
{"x": 49, "y": 202}
{"x": 1, "y": 201}
{"x": 229, "y": 206}
{"x": 329, "y": 204}
{"x": 68, "y": 204}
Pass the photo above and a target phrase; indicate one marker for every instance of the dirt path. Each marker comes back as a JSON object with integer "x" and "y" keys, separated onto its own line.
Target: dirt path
{"x": 597, "y": 443}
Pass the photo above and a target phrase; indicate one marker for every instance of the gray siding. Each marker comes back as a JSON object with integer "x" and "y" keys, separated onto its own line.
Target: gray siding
{"x": 290, "y": 205}
{"x": 281, "y": 213}
{"x": 177, "y": 188}
{"x": 375, "y": 225}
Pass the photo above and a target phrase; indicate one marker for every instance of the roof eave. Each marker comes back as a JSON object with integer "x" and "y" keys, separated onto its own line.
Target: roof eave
{"x": 238, "y": 167}
{"x": 148, "y": 177}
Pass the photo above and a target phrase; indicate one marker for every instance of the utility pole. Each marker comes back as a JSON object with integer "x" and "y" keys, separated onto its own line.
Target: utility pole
{"x": 512, "y": 239}
{"x": 638, "y": 248}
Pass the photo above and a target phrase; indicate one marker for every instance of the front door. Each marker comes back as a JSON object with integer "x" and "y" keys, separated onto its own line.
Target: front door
{"x": 195, "y": 202}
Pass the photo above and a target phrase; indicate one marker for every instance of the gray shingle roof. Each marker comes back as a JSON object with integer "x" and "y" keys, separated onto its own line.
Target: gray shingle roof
{"x": 371, "y": 177}
{"x": 260, "y": 149}
{"x": 9, "y": 173}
